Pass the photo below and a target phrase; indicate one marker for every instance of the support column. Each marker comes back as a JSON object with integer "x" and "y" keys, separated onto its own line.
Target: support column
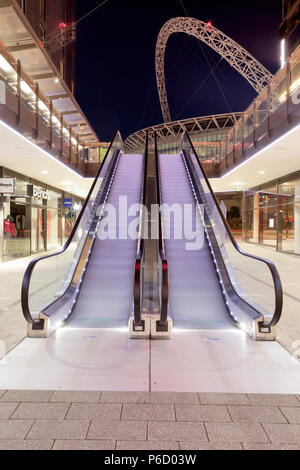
{"x": 256, "y": 217}
{"x": 297, "y": 218}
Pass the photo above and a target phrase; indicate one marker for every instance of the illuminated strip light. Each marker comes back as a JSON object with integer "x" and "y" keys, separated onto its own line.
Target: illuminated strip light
{"x": 41, "y": 150}
{"x": 283, "y": 54}
{"x": 293, "y": 87}
{"x": 261, "y": 151}
{"x": 5, "y": 66}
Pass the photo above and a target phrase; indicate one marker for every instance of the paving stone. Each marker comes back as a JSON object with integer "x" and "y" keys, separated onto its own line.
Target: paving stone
{"x": 55, "y": 429}
{"x": 94, "y": 411}
{"x": 28, "y": 396}
{"x": 269, "y": 447}
{"x": 148, "y": 412}
{"x": 292, "y": 414}
{"x": 202, "y": 413}
{"x": 41, "y": 411}
{"x": 25, "y": 445}
{"x": 273, "y": 400}
{"x": 7, "y": 409}
{"x": 223, "y": 399}
{"x": 283, "y": 433}
{"x": 147, "y": 445}
{"x": 10, "y": 429}
{"x": 176, "y": 432}
{"x": 236, "y": 432}
{"x": 118, "y": 430}
{"x": 125, "y": 397}
{"x": 62, "y": 396}
{"x": 256, "y": 414}
{"x": 84, "y": 445}
{"x": 209, "y": 446}
{"x": 174, "y": 398}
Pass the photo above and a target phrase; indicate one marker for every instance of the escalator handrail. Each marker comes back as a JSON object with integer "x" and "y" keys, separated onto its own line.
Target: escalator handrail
{"x": 137, "y": 296}
{"x": 161, "y": 244}
{"x": 28, "y": 273}
{"x": 274, "y": 272}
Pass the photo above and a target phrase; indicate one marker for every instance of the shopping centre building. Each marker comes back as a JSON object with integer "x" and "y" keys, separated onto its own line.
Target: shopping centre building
{"x": 111, "y": 339}
{"x": 43, "y": 130}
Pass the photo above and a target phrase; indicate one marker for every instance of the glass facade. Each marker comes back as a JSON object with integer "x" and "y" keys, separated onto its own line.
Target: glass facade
{"x": 272, "y": 215}
{"x": 34, "y": 219}
{"x": 207, "y": 144}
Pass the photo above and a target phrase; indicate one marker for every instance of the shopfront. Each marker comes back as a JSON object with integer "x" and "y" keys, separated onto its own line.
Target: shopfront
{"x": 231, "y": 204}
{"x": 272, "y": 215}
{"x": 34, "y": 219}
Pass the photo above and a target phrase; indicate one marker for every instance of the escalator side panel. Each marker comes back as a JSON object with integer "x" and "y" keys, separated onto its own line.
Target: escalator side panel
{"x": 107, "y": 292}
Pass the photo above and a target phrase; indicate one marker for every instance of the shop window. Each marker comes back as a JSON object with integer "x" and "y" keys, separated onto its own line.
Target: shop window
{"x": 289, "y": 217}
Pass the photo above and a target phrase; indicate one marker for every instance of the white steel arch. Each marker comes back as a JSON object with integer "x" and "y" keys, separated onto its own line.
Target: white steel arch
{"x": 254, "y": 72}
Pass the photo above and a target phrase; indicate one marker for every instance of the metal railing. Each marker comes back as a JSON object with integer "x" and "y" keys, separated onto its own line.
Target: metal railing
{"x": 139, "y": 324}
{"x": 163, "y": 268}
{"x": 269, "y": 109}
{"x": 59, "y": 137}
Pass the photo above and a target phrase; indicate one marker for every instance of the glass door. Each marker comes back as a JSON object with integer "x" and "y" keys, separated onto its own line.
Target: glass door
{"x": 41, "y": 233}
{"x": 34, "y": 229}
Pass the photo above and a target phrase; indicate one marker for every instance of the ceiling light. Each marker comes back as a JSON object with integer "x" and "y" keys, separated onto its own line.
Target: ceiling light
{"x": 26, "y": 88}
{"x": 261, "y": 172}
{"x": 44, "y": 172}
{"x": 56, "y": 80}
{"x": 43, "y": 107}
{"x": 4, "y": 65}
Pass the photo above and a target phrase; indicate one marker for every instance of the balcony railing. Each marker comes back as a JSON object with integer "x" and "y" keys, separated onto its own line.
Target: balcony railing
{"x": 33, "y": 114}
{"x": 273, "y": 106}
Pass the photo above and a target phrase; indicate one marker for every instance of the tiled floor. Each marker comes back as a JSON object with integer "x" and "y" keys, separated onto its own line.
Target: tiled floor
{"x": 191, "y": 361}
{"x": 288, "y": 329}
{"x": 149, "y": 421}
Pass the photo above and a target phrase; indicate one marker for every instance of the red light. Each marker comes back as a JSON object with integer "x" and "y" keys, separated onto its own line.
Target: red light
{"x": 62, "y": 25}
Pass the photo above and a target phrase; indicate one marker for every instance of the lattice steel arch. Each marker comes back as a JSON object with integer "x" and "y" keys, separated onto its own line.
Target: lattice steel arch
{"x": 252, "y": 70}
{"x": 172, "y": 131}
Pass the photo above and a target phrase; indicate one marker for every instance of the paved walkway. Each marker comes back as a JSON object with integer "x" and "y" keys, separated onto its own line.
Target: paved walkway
{"x": 13, "y": 327}
{"x": 148, "y": 421}
{"x": 12, "y": 324}
{"x": 288, "y": 330}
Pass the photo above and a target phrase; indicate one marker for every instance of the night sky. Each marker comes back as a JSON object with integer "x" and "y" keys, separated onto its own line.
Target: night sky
{"x": 116, "y": 83}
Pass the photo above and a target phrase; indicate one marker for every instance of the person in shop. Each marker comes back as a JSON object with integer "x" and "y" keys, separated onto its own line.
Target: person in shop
{"x": 9, "y": 227}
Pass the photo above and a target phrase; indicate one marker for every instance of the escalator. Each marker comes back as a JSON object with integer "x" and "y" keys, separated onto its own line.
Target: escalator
{"x": 213, "y": 286}
{"x": 93, "y": 282}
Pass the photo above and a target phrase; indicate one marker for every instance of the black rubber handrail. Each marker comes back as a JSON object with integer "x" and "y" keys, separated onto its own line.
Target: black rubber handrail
{"x": 274, "y": 272}
{"x": 28, "y": 273}
{"x": 138, "y": 288}
{"x": 163, "y": 322}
